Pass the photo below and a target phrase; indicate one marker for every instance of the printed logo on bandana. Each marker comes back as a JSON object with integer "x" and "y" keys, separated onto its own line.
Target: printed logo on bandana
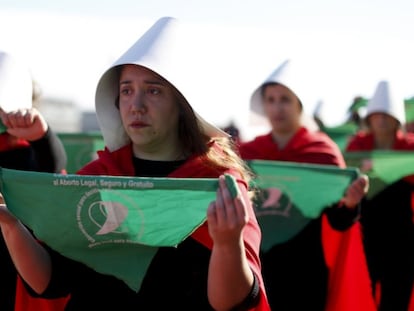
{"x": 104, "y": 221}
{"x": 272, "y": 201}
{"x": 279, "y": 218}
{"x": 111, "y": 213}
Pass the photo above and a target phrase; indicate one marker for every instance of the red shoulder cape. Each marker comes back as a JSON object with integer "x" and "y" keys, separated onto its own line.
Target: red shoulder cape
{"x": 304, "y": 147}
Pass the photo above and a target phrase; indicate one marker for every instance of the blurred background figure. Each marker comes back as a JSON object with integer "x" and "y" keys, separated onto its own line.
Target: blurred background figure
{"x": 384, "y": 120}
{"x": 357, "y": 111}
{"x": 26, "y": 143}
{"x": 387, "y": 218}
{"x": 309, "y": 272}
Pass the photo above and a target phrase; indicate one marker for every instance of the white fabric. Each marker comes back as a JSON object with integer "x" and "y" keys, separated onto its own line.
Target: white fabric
{"x": 386, "y": 100}
{"x": 16, "y": 86}
{"x": 165, "y": 50}
{"x": 293, "y": 76}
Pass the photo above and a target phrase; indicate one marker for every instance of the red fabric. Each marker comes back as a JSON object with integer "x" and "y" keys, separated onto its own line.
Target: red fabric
{"x": 411, "y": 306}
{"x": 25, "y": 302}
{"x": 9, "y": 142}
{"x": 349, "y": 284}
{"x": 403, "y": 142}
{"x": 412, "y": 208}
{"x": 119, "y": 163}
{"x": 304, "y": 147}
{"x": 349, "y": 281}
{"x": 363, "y": 141}
{"x": 377, "y": 296}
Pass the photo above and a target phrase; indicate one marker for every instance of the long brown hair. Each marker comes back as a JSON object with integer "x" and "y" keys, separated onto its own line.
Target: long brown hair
{"x": 219, "y": 152}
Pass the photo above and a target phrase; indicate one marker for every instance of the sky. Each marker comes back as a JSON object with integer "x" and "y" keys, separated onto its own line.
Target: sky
{"x": 349, "y": 45}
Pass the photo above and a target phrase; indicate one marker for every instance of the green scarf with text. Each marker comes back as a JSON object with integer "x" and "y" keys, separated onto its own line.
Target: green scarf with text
{"x": 110, "y": 222}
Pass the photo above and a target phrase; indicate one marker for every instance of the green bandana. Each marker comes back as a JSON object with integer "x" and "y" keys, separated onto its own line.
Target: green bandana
{"x": 291, "y": 194}
{"x": 108, "y": 222}
{"x": 387, "y": 167}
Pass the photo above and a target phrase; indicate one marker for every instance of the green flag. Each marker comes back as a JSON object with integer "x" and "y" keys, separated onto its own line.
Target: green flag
{"x": 358, "y": 103}
{"x": 387, "y": 166}
{"x": 291, "y": 194}
{"x": 112, "y": 224}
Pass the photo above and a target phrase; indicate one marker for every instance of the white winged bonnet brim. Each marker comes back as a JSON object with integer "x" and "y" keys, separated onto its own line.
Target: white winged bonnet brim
{"x": 281, "y": 75}
{"x": 293, "y": 76}
{"x": 386, "y": 100}
{"x": 163, "y": 49}
{"x": 16, "y": 85}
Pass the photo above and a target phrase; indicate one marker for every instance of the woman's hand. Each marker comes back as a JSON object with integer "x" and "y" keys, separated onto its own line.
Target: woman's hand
{"x": 356, "y": 191}
{"x": 226, "y": 216}
{"x": 366, "y": 165}
{"x": 26, "y": 124}
{"x": 230, "y": 278}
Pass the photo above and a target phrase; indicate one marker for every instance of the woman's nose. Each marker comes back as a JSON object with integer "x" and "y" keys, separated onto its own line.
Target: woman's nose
{"x": 138, "y": 104}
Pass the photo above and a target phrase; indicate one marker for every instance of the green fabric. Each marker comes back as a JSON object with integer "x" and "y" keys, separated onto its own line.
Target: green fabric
{"x": 231, "y": 184}
{"x": 393, "y": 165}
{"x": 291, "y": 194}
{"x": 112, "y": 224}
{"x": 340, "y": 134}
{"x": 3, "y": 128}
{"x": 357, "y": 104}
{"x": 116, "y": 224}
{"x": 409, "y": 110}
{"x": 80, "y": 148}
{"x": 387, "y": 166}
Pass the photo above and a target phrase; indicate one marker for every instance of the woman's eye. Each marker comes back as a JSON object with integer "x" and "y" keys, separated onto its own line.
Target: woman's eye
{"x": 154, "y": 91}
{"x": 125, "y": 91}
{"x": 286, "y": 99}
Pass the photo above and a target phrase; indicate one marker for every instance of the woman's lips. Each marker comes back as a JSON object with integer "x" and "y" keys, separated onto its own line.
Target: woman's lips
{"x": 138, "y": 124}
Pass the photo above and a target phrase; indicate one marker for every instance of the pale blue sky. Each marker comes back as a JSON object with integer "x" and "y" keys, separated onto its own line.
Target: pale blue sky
{"x": 357, "y": 43}
{"x": 366, "y": 15}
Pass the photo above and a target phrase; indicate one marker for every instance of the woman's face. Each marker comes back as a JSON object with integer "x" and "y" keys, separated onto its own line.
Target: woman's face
{"x": 282, "y": 109}
{"x": 149, "y": 111}
{"x": 382, "y": 124}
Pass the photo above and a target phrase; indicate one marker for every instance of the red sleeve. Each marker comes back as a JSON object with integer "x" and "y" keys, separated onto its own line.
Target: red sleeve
{"x": 24, "y": 301}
